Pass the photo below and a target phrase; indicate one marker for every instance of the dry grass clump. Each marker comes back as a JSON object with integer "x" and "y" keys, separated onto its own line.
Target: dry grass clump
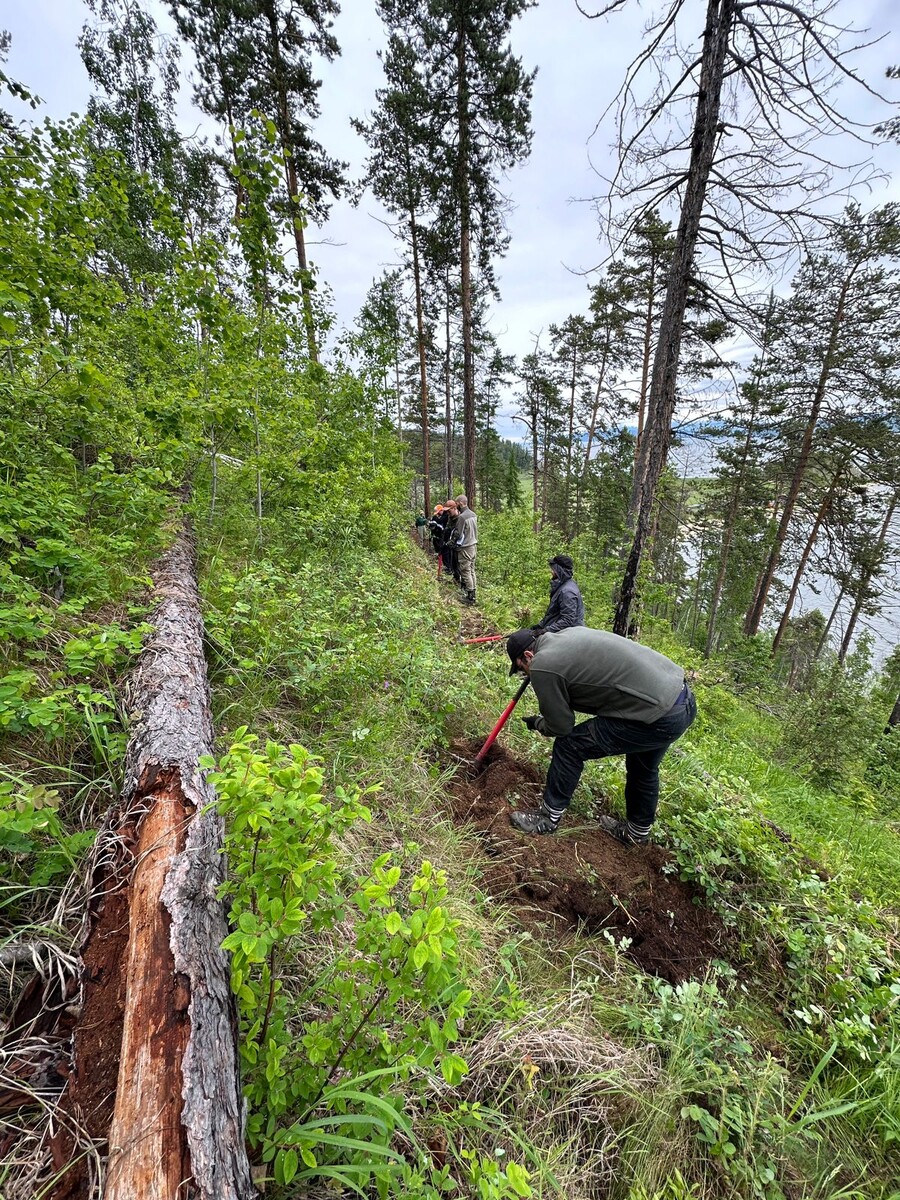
{"x": 569, "y": 1088}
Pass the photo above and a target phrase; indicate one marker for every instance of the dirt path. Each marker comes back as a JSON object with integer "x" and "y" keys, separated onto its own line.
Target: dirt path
{"x": 581, "y": 879}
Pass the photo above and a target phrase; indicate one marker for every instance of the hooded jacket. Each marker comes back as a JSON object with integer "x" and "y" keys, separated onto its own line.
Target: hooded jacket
{"x": 566, "y": 606}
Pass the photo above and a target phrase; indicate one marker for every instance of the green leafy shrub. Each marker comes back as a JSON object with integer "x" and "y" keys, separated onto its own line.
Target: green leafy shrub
{"x": 39, "y": 848}
{"x": 388, "y": 1001}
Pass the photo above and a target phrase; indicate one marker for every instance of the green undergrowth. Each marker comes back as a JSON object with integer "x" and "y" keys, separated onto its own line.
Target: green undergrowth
{"x": 77, "y": 544}
{"x": 402, "y": 1034}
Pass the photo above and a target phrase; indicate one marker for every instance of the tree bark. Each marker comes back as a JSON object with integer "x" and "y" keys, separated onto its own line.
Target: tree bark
{"x": 645, "y": 364}
{"x": 423, "y": 376}
{"x": 804, "y": 559}
{"x": 448, "y": 406}
{"x": 861, "y": 594}
{"x": 657, "y": 436}
{"x": 465, "y": 263}
{"x": 755, "y": 613}
{"x": 158, "y": 1027}
{"x": 293, "y": 187}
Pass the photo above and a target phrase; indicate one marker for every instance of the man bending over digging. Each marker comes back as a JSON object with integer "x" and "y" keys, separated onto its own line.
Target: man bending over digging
{"x": 639, "y": 702}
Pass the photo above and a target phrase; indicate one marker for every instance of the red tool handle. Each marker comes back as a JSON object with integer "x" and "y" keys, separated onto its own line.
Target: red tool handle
{"x": 492, "y": 736}
{"x": 495, "y": 637}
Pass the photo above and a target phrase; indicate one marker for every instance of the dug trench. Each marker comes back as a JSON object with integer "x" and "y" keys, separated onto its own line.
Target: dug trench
{"x": 581, "y": 880}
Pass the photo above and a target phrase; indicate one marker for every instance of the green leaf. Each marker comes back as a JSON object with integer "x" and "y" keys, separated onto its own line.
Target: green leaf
{"x": 453, "y": 1068}
{"x": 290, "y": 1163}
{"x": 518, "y": 1179}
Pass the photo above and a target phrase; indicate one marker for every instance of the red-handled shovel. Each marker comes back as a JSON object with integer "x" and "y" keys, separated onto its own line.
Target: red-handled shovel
{"x": 494, "y": 637}
{"x": 507, "y": 712}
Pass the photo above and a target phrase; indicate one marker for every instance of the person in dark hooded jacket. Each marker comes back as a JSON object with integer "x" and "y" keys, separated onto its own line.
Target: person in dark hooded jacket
{"x": 566, "y": 607}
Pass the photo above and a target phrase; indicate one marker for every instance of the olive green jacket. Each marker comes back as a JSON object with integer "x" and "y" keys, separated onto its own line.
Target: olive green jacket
{"x": 590, "y": 671}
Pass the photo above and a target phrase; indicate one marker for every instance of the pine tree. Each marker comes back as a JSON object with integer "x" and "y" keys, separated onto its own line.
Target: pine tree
{"x": 742, "y": 485}
{"x": 398, "y": 172}
{"x": 479, "y": 111}
{"x": 540, "y": 397}
{"x": 573, "y": 344}
{"x": 382, "y": 340}
{"x": 512, "y": 485}
{"x": 638, "y": 281}
{"x": 135, "y": 71}
{"x": 257, "y": 55}
{"x": 843, "y": 319}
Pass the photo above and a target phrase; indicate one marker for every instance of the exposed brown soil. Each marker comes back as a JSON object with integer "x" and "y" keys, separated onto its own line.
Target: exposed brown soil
{"x": 581, "y": 879}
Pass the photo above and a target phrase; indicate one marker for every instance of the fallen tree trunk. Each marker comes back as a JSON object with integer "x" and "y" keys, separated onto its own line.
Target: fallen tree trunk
{"x": 155, "y": 1068}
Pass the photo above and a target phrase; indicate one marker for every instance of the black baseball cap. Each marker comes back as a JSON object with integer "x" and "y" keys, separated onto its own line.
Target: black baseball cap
{"x": 516, "y": 645}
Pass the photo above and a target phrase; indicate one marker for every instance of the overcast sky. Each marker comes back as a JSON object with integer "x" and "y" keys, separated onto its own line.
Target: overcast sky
{"x": 553, "y": 225}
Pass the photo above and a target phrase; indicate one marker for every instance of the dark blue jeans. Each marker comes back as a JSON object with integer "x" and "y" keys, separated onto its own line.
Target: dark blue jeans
{"x": 644, "y": 747}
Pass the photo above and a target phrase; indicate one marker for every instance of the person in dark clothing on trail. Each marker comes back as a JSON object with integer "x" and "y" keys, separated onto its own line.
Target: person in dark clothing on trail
{"x": 438, "y": 527}
{"x": 421, "y": 526}
{"x": 566, "y": 606}
{"x": 451, "y": 565}
{"x": 639, "y": 702}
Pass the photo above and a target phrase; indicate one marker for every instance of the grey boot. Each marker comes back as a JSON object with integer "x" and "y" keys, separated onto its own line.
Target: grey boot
{"x": 469, "y": 597}
{"x": 622, "y": 831}
{"x": 536, "y": 821}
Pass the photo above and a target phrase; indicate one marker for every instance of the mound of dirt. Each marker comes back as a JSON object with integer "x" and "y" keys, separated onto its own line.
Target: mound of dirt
{"x": 580, "y": 879}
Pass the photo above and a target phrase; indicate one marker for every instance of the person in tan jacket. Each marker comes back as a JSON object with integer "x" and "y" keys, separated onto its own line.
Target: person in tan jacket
{"x": 466, "y": 547}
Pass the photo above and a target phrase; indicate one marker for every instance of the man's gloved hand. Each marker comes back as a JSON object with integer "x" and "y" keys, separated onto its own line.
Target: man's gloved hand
{"x": 531, "y": 723}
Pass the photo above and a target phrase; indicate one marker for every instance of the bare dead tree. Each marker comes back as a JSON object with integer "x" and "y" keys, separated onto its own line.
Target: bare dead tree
{"x": 731, "y": 136}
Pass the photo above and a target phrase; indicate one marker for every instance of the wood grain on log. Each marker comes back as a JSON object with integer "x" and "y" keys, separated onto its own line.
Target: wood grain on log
{"x": 157, "y": 1001}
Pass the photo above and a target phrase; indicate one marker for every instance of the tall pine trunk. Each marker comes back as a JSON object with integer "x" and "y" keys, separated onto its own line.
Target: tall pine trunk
{"x": 645, "y": 363}
{"x": 535, "y": 470}
{"x": 866, "y": 579}
{"x": 755, "y": 612}
{"x": 287, "y": 145}
{"x": 569, "y": 447}
{"x": 804, "y": 558}
{"x": 545, "y": 466}
{"x": 423, "y": 375}
{"x": 654, "y": 449}
{"x": 448, "y": 407}
{"x": 465, "y": 263}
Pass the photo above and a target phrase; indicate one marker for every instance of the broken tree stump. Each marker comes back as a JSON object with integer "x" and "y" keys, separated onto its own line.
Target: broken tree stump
{"x": 155, "y": 1069}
